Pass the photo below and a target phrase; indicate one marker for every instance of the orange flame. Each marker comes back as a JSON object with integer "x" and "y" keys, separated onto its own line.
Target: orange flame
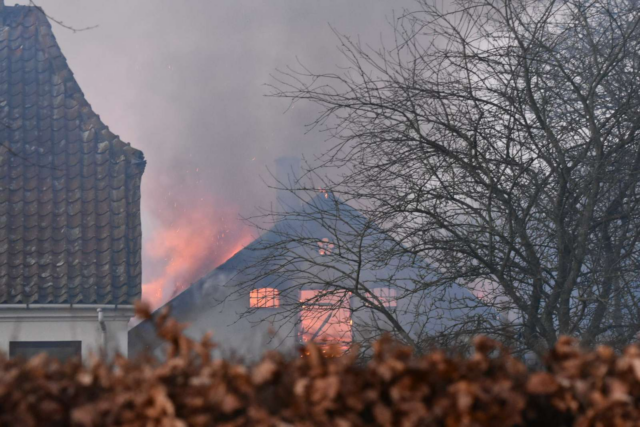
{"x": 197, "y": 242}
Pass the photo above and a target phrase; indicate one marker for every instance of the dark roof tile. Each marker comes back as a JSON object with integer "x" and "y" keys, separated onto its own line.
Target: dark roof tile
{"x": 70, "y": 188}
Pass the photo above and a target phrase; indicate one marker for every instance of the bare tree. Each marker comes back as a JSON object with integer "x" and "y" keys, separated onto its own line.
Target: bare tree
{"x": 498, "y": 141}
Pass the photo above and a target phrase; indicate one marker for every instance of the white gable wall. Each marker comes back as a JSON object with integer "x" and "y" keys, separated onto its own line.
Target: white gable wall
{"x": 244, "y": 337}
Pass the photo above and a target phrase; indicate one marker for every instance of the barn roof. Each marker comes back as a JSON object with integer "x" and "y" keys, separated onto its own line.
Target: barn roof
{"x": 69, "y": 188}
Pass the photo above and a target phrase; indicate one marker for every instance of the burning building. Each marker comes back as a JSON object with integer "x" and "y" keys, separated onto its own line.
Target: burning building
{"x": 70, "y": 235}
{"x": 297, "y": 282}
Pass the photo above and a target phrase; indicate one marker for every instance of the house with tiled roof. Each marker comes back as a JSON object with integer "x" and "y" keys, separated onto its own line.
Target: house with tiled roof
{"x": 309, "y": 277}
{"x": 70, "y": 235}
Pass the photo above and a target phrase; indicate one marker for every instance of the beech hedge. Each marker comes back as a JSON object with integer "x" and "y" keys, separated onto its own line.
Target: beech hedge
{"x": 395, "y": 388}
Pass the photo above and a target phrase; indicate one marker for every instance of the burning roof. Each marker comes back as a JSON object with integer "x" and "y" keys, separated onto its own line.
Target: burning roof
{"x": 215, "y": 302}
{"x": 69, "y": 188}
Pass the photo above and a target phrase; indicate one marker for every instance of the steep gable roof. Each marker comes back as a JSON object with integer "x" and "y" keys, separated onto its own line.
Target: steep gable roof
{"x": 69, "y": 188}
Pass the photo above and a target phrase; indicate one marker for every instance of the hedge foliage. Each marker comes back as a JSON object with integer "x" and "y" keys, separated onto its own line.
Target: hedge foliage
{"x": 489, "y": 388}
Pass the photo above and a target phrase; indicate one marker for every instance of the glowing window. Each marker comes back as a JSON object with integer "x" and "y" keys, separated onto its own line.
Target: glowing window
{"x": 325, "y": 319}
{"x": 264, "y": 298}
{"x": 325, "y": 247}
{"x": 387, "y": 296}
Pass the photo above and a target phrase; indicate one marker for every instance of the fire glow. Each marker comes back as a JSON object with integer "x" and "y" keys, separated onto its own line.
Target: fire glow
{"x": 192, "y": 245}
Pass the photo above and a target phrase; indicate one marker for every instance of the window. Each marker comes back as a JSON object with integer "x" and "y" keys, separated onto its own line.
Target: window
{"x": 325, "y": 246}
{"x": 61, "y": 350}
{"x": 387, "y": 296}
{"x": 325, "y": 319}
{"x": 264, "y": 298}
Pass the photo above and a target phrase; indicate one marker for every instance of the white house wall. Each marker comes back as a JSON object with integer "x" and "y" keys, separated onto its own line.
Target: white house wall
{"x": 47, "y": 323}
{"x": 204, "y": 309}
{"x": 246, "y": 337}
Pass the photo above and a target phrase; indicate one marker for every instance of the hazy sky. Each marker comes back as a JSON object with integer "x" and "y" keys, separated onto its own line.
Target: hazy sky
{"x": 183, "y": 81}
